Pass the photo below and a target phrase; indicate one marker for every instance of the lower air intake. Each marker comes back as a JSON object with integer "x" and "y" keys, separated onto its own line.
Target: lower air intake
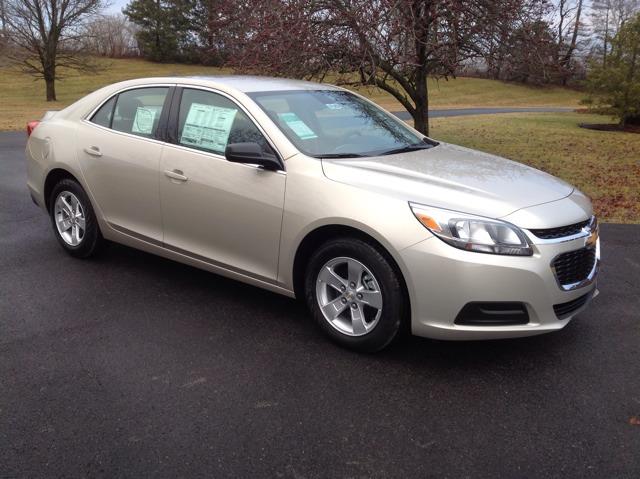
{"x": 492, "y": 314}
{"x": 564, "y": 310}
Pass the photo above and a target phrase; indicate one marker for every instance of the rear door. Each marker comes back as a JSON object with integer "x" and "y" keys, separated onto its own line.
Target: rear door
{"x": 227, "y": 214}
{"x": 119, "y": 151}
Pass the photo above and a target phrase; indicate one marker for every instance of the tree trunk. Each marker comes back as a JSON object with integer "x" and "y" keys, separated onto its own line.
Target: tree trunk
{"x": 421, "y": 113}
{"x": 566, "y": 61}
{"x": 51, "y": 89}
{"x": 420, "y": 94}
{"x": 157, "y": 55}
{"x": 630, "y": 118}
{"x": 3, "y": 16}
{"x": 606, "y": 38}
{"x": 421, "y": 119}
{"x": 561, "y": 14}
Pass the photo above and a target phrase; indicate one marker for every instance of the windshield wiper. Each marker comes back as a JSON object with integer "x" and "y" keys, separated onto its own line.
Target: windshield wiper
{"x": 424, "y": 145}
{"x": 406, "y": 149}
{"x": 340, "y": 155}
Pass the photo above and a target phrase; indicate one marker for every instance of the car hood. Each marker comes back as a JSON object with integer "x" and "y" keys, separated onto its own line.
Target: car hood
{"x": 451, "y": 177}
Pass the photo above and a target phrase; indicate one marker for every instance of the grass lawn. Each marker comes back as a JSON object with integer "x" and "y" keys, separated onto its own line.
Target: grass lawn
{"x": 604, "y": 165}
{"x": 478, "y": 92}
{"x": 22, "y": 98}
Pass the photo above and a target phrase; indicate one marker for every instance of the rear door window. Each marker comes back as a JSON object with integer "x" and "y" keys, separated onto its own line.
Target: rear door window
{"x": 138, "y": 111}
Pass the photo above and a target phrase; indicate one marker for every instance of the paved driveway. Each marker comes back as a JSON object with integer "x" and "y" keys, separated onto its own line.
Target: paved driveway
{"x": 131, "y": 365}
{"x": 404, "y": 115}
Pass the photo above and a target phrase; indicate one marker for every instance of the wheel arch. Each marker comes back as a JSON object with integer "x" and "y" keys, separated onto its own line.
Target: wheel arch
{"x": 313, "y": 239}
{"x": 54, "y": 176}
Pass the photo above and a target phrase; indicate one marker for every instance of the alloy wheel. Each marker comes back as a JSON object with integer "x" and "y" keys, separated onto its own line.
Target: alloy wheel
{"x": 69, "y": 218}
{"x": 349, "y": 296}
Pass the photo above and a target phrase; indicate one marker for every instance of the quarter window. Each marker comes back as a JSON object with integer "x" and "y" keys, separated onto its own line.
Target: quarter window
{"x": 103, "y": 116}
{"x": 208, "y": 121}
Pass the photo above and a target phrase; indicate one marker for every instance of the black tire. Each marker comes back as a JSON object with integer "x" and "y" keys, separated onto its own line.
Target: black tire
{"x": 92, "y": 241}
{"x": 394, "y": 303}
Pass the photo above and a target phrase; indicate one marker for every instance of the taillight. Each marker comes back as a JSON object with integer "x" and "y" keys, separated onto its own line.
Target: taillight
{"x": 31, "y": 125}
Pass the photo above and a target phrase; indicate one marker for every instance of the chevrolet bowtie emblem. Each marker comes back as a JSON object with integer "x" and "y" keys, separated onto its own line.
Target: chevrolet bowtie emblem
{"x": 592, "y": 239}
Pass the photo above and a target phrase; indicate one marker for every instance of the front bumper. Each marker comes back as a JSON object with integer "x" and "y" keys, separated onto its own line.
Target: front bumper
{"x": 442, "y": 279}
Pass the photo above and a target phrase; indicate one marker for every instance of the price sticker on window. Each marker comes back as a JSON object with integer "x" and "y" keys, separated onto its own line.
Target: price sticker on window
{"x": 298, "y": 126}
{"x": 143, "y": 121}
{"x": 208, "y": 126}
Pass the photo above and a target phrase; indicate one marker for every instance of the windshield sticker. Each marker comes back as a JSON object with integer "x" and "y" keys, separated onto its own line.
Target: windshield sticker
{"x": 208, "y": 126}
{"x": 334, "y": 106}
{"x": 143, "y": 121}
{"x": 298, "y": 126}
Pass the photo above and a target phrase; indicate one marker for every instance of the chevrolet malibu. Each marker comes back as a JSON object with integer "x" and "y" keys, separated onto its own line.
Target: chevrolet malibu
{"x": 312, "y": 191}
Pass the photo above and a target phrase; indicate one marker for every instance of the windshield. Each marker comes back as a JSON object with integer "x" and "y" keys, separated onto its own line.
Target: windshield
{"x": 337, "y": 124}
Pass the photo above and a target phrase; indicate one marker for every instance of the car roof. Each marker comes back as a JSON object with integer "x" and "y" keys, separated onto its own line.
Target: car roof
{"x": 254, "y": 83}
{"x": 243, "y": 84}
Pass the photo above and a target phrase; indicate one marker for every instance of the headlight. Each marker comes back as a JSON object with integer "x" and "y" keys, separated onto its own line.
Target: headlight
{"x": 473, "y": 233}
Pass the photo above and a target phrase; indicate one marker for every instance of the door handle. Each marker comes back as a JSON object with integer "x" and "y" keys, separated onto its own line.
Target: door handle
{"x": 175, "y": 175}
{"x": 93, "y": 151}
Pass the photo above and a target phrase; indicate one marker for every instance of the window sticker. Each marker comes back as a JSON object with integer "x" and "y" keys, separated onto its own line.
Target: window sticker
{"x": 208, "y": 126}
{"x": 298, "y": 126}
{"x": 144, "y": 120}
{"x": 334, "y": 106}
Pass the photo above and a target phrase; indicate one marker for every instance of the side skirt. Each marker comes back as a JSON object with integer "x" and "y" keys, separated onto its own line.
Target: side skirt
{"x": 127, "y": 237}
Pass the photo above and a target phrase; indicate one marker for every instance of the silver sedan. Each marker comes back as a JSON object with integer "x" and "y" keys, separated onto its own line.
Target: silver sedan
{"x": 314, "y": 192}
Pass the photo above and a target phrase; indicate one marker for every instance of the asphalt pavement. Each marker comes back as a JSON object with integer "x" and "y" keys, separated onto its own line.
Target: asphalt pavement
{"x": 134, "y": 366}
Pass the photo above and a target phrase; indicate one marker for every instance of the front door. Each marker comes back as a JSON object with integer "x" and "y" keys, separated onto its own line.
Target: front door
{"x": 228, "y": 214}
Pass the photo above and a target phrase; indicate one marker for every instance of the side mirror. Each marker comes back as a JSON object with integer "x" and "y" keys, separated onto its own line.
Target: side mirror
{"x": 251, "y": 153}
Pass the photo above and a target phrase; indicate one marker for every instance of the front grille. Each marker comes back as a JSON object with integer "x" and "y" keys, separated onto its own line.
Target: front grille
{"x": 574, "y": 266}
{"x": 564, "y": 310}
{"x": 561, "y": 231}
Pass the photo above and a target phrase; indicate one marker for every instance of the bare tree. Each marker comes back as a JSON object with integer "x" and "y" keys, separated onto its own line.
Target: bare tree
{"x": 530, "y": 54}
{"x": 601, "y": 21}
{"x": 391, "y": 44}
{"x": 622, "y": 11}
{"x": 515, "y": 41}
{"x": 46, "y": 35}
{"x": 217, "y": 24}
{"x": 570, "y": 26}
{"x": 3, "y": 15}
{"x": 3, "y": 28}
{"x": 607, "y": 17}
{"x": 111, "y": 36}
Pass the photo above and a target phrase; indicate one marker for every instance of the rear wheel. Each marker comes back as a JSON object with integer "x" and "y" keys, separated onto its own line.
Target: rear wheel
{"x": 355, "y": 294}
{"x": 73, "y": 219}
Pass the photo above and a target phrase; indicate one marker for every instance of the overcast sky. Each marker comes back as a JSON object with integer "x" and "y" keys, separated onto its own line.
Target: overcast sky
{"x": 116, "y": 6}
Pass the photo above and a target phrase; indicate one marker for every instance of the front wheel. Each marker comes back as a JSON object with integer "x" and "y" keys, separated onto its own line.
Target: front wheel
{"x": 355, "y": 294}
